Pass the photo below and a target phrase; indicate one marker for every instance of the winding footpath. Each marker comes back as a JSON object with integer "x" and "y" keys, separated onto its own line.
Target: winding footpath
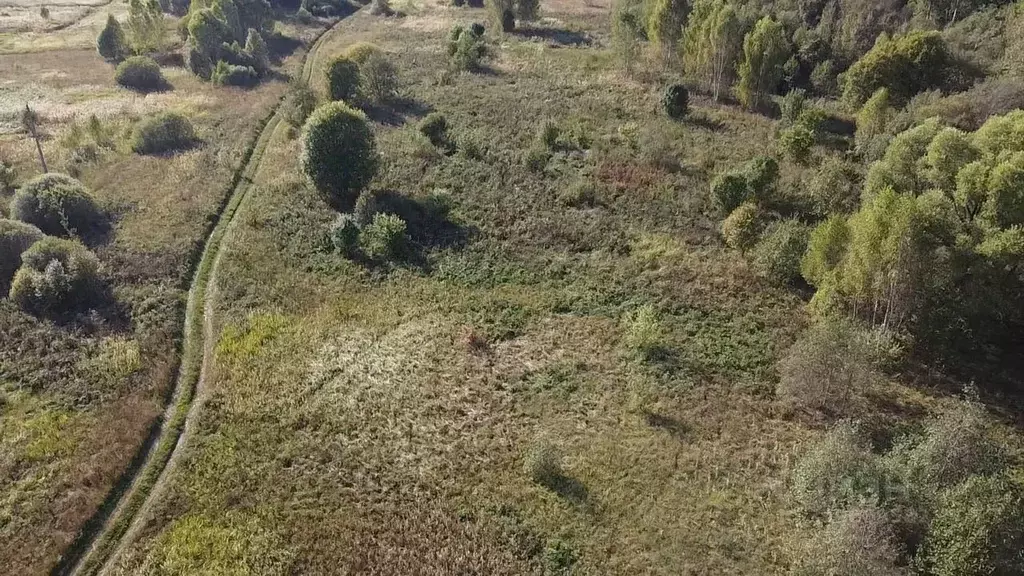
{"x": 103, "y": 540}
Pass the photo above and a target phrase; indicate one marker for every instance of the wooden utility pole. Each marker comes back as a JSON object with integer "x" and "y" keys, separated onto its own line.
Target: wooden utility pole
{"x": 30, "y": 121}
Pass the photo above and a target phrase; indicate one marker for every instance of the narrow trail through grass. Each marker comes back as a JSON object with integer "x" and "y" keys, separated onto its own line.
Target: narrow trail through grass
{"x": 123, "y": 514}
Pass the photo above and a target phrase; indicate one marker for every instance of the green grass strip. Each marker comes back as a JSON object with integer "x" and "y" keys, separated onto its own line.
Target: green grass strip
{"x": 94, "y": 545}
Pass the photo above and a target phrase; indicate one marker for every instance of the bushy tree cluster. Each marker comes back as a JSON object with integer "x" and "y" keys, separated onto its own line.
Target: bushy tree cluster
{"x": 228, "y": 32}
{"x": 904, "y": 65}
{"x": 712, "y": 44}
{"x": 937, "y": 239}
{"x": 943, "y": 495}
{"x": 57, "y": 276}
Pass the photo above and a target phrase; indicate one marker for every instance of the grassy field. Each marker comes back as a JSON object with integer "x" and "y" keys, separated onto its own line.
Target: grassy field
{"x": 378, "y": 420}
{"x": 78, "y": 399}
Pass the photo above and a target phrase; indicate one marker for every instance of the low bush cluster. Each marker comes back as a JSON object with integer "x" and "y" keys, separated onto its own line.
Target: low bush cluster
{"x": 140, "y": 73}
{"x": 225, "y": 74}
{"x": 162, "y": 133}
{"x": 943, "y": 495}
{"x": 15, "y": 238}
{"x": 57, "y": 276}
{"x": 466, "y": 47}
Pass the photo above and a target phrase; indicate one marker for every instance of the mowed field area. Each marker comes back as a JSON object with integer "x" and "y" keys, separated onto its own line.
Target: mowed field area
{"x": 78, "y": 398}
{"x": 382, "y": 419}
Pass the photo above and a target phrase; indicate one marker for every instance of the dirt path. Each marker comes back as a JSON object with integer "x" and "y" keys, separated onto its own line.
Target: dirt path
{"x": 98, "y": 548}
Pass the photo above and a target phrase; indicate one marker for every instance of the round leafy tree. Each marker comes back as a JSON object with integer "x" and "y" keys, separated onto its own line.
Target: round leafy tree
{"x": 339, "y": 154}
{"x": 56, "y": 276}
{"x": 676, "y": 101}
{"x": 342, "y": 78}
{"x": 140, "y": 73}
{"x": 57, "y": 204}
{"x": 15, "y": 238}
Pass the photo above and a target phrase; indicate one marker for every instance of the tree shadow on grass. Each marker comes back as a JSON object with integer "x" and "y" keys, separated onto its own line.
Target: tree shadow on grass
{"x": 280, "y": 46}
{"x": 397, "y": 111}
{"x": 568, "y": 488}
{"x": 701, "y": 120}
{"x": 675, "y": 427}
{"x": 558, "y": 36}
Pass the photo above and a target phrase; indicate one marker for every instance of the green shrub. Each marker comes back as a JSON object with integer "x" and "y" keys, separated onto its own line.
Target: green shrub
{"x": 860, "y": 541}
{"x": 644, "y": 335}
{"x": 761, "y": 173}
{"x": 345, "y": 235}
{"x": 477, "y": 29}
{"x": 836, "y": 471}
{"x": 796, "y": 142}
{"x": 342, "y": 79}
{"x": 299, "y": 103}
{"x": 676, "y": 101}
{"x": 57, "y": 204}
{"x": 57, "y": 276}
{"x": 235, "y": 55}
{"x": 742, "y": 228}
{"x": 827, "y": 367}
{"x": 385, "y": 238}
{"x": 977, "y": 530}
{"x": 112, "y": 44}
{"x": 792, "y": 105}
{"x": 339, "y": 154}
{"x": 777, "y": 256}
{"x": 465, "y": 49}
{"x": 7, "y": 176}
{"x": 162, "y": 133}
{"x": 435, "y": 127}
{"x": 197, "y": 62}
{"x": 140, "y": 73}
{"x": 548, "y": 135}
{"x": 225, "y": 74}
{"x": 730, "y": 190}
{"x": 15, "y": 238}
{"x": 543, "y": 463}
{"x": 360, "y": 52}
{"x": 369, "y": 204}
